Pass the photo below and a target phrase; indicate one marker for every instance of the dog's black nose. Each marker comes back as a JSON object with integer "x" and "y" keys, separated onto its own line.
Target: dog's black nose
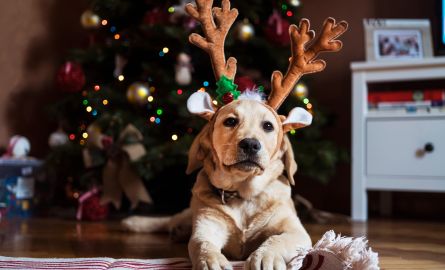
{"x": 250, "y": 146}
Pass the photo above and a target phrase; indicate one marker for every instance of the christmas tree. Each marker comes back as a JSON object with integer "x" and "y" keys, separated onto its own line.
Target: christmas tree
{"x": 123, "y": 122}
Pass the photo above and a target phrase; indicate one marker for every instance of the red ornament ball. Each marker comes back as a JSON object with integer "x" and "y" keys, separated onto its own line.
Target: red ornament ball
{"x": 244, "y": 83}
{"x": 92, "y": 209}
{"x": 227, "y": 98}
{"x": 277, "y": 31}
{"x": 70, "y": 77}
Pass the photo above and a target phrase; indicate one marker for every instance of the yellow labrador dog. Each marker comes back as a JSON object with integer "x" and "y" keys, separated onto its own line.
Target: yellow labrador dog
{"x": 244, "y": 151}
{"x": 241, "y": 206}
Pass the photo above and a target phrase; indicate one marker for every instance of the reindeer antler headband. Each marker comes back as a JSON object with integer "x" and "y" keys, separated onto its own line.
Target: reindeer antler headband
{"x": 216, "y": 23}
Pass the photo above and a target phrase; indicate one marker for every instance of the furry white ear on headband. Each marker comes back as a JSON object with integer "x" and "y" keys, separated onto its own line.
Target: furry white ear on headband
{"x": 297, "y": 118}
{"x": 200, "y": 103}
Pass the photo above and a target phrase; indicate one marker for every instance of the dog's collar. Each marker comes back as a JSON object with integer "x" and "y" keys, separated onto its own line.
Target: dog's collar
{"x": 225, "y": 195}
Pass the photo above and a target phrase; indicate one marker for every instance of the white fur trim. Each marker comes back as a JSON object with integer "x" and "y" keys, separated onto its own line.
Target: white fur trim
{"x": 299, "y": 116}
{"x": 200, "y": 103}
{"x": 252, "y": 94}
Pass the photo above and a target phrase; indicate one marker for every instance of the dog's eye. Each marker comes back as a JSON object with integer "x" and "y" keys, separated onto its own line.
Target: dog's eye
{"x": 267, "y": 126}
{"x": 230, "y": 122}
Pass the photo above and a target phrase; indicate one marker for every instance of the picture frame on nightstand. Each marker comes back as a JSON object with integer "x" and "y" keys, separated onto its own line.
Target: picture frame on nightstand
{"x": 394, "y": 39}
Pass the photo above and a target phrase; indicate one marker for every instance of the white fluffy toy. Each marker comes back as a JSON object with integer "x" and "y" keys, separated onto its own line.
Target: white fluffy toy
{"x": 336, "y": 252}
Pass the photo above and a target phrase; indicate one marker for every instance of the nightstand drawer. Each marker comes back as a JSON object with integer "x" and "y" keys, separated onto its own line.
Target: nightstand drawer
{"x": 406, "y": 147}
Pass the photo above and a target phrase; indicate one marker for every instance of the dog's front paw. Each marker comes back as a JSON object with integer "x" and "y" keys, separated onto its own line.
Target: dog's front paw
{"x": 212, "y": 261}
{"x": 266, "y": 260}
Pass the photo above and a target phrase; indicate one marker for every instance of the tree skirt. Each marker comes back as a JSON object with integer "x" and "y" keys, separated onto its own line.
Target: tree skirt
{"x": 331, "y": 252}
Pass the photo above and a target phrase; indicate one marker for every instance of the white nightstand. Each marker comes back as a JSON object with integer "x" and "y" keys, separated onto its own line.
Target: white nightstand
{"x": 384, "y": 145}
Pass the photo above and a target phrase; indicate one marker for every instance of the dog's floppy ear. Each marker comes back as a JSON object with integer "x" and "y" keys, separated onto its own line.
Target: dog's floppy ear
{"x": 288, "y": 159}
{"x": 200, "y": 103}
{"x": 198, "y": 150}
{"x": 297, "y": 118}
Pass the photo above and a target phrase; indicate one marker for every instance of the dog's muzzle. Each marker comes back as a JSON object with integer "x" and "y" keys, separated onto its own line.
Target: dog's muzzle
{"x": 248, "y": 154}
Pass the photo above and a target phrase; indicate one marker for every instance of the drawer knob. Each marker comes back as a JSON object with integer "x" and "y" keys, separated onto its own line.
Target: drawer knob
{"x": 429, "y": 147}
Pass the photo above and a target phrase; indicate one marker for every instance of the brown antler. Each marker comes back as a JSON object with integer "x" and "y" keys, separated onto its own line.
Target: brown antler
{"x": 215, "y": 33}
{"x": 303, "y": 58}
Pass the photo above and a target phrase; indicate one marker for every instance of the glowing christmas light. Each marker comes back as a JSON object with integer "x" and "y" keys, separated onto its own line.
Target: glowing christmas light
{"x": 84, "y": 135}
{"x": 295, "y": 3}
{"x": 89, "y": 109}
{"x": 174, "y": 137}
{"x": 121, "y": 78}
{"x": 150, "y": 98}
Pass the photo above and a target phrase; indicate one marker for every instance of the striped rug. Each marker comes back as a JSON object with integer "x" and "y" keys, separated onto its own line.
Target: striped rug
{"x": 98, "y": 264}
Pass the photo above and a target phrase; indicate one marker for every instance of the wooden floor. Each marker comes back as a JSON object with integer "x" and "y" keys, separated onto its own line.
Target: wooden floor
{"x": 400, "y": 244}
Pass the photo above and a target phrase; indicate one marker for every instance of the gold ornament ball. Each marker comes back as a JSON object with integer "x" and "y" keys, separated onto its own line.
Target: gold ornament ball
{"x": 137, "y": 93}
{"x": 89, "y": 19}
{"x": 245, "y": 30}
{"x": 301, "y": 90}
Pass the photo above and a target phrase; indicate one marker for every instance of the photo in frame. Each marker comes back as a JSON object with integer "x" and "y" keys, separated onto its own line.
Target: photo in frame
{"x": 397, "y": 39}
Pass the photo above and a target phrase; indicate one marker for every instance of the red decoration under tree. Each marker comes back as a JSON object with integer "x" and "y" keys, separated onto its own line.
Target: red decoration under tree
{"x": 90, "y": 207}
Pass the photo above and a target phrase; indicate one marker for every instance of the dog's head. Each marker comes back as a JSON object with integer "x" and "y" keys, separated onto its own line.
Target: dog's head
{"x": 243, "y": 137}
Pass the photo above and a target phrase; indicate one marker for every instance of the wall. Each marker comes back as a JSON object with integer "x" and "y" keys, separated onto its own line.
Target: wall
{"x": 35, "y": 38}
